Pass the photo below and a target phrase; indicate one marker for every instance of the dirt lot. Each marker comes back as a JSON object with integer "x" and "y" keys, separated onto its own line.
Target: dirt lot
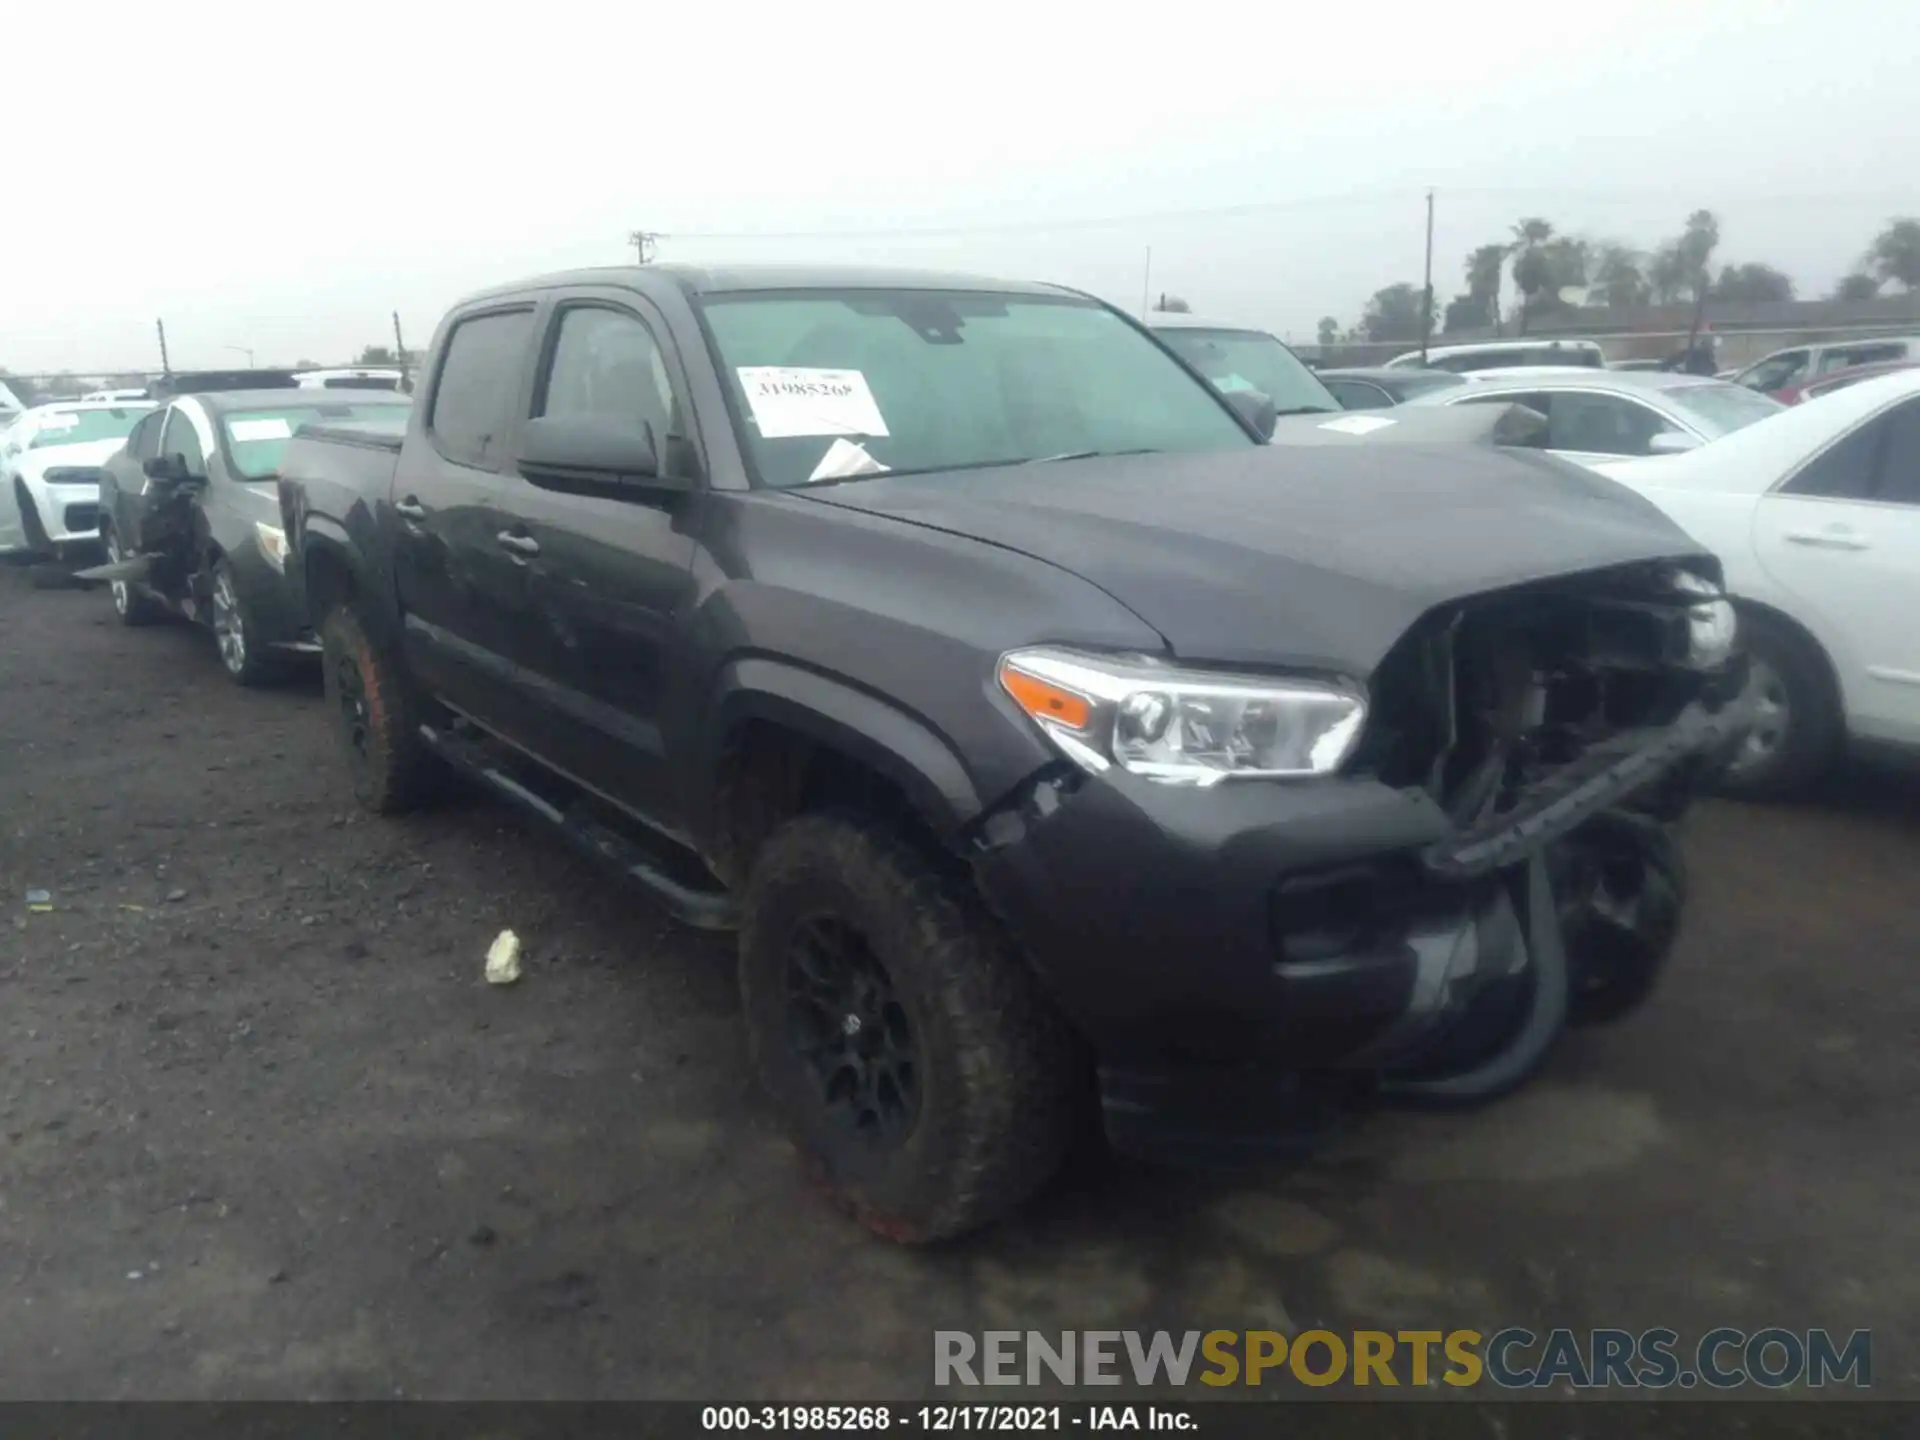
{"x": 267, "y": 1132}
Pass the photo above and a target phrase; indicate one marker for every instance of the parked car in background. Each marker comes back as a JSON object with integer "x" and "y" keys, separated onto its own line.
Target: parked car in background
{"x": 1843, "y": 379}
{"x": 1816, "y": 517}
{"x": 1244, "y": 359}
{"x": 191, "y": 516}
{"x": 355, "y": 379}
{"x": 1782, "y": 373}
{"x": 50, "y": 466}
{"x": 1046, "y": 734}
{"x": 1595, "y": 415}
{"x": 1384, "y": 386}
{"x": 205, "y": 382}
{"x": 1503, "y": 355}
{"x": 123, "y": 394}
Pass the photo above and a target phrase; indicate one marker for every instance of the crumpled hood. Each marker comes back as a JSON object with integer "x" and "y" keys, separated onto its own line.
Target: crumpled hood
{"x": 1318, "y": 557}
{"x": 35, "y": 463}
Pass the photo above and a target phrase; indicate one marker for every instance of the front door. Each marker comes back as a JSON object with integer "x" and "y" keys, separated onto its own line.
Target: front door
{"x": 461, "y": 595}
{"x": 1844, "y": 536}
{"x": 610, "y": 573}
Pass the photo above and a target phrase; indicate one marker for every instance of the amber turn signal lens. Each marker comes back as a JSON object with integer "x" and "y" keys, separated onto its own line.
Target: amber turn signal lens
{"x": 1044, "y": 701}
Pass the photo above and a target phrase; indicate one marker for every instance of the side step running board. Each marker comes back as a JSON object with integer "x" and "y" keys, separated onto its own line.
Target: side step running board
{"x": 692, "y": 905}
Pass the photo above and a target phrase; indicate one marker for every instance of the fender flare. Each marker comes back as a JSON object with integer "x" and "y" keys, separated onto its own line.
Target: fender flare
{"x": 854, "y": 722}
{"x": 325, "y": 540}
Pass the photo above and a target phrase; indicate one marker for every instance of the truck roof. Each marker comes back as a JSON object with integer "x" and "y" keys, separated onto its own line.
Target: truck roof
{"x": 713, "y": 280}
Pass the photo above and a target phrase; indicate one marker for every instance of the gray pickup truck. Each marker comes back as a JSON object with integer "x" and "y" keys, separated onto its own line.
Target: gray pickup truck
{"x": 1047, "y": 736}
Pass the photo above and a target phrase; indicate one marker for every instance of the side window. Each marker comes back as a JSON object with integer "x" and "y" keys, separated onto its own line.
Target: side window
{"x": 1359, "y": 395}
{"x": 1777, "y": 370}
{"x": 606, "y": 363}
{"x": 473, "y": 396}
{"x": 1602, "y": 425}
{"x": 144, "y": 442}
{"x": 1846, "y": 357}
{"x": 1845, "y": 469}
{"x": 1900, "y": 457}
{"x": 183, "y": 440}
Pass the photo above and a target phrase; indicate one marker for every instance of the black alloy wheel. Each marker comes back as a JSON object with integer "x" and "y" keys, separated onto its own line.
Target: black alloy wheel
{"x": 850, "y": 1028}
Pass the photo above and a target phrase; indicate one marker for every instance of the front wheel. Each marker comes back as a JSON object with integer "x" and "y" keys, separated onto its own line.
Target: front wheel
{"x": 929, "y": 1084}
{"x": 236, "y": 634}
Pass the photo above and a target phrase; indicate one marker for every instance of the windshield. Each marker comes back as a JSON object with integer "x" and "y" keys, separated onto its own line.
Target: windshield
{"x": 1251, "y": 360}
{"x": 1720, "y": 409}
{"x": 255, "y": 439}
{"x": 80, "y": 427}
{"x": 831, "y": 384}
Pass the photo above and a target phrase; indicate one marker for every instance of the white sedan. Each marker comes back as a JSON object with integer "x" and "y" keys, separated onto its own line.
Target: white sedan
{"x": 50, "y": 462}
{"x": 1597, "y": 416}
{"x": 1815, "y": 513}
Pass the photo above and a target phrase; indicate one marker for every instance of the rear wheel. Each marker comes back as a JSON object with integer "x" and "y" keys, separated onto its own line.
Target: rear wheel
{"x": 929, "y": 1084}
{"x": 376, "y": 717}
{"x": 1797, "y": 725}
{"x": 132, "y": 604}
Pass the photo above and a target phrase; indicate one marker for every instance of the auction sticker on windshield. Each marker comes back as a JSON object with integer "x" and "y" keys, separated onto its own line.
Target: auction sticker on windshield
{"x": 1357, "y": 424}
{"x": 789, "y": 400}
{"x": 273, "y": 429}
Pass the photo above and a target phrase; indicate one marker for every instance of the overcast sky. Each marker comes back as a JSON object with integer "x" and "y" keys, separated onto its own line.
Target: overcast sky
{"x": 283, "y": 177}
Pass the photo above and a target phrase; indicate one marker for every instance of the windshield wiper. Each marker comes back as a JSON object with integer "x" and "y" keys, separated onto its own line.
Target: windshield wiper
{"x": 1306, "y": 410}
{"x": 1089, "y": 455}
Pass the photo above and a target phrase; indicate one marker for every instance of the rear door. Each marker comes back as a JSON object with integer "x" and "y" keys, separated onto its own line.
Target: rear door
{"x": 608, "y": 572}
{"x": 461, "y": 594}
{"x": 122, "y": 496}
{"x": 1843, "y": 536}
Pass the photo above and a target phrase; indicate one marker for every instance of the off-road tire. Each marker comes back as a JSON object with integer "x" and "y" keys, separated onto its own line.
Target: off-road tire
{"x": 390, "y": 766}
{"x": 1001, "y": 1076}
{"x": 139, "y": 608}
{"x": 1814, "y": 728}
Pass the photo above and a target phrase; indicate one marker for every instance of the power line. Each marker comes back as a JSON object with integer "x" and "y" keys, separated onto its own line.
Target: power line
{"x": 1544, "y": 197}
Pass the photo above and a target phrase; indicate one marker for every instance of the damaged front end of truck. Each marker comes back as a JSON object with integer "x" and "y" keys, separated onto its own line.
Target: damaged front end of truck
{"x": 1494, "y": 860}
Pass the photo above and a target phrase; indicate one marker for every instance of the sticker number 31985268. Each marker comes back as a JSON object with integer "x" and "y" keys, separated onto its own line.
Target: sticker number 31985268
{"x": 789, "y": 400}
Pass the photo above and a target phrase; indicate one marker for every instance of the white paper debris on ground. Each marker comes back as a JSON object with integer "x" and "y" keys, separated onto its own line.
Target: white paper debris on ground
{"x": 273, "y": 429}
{"x": 39, "y": 900}
{"x": 503, "y": 959}
{"x": 789, "y": 400}
{"x": 844, "y": 459}
{"x": 1357, "y": 424}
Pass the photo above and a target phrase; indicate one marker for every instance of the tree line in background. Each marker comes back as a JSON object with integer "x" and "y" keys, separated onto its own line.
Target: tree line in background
{"x": 1539, "y": 265}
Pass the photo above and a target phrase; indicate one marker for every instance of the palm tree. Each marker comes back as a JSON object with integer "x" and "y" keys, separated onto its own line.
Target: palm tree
{"x": 1530, "y": 269}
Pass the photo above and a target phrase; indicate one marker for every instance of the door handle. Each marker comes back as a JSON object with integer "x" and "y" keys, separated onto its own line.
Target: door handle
{"x": 1826, "y": 539}
{"x": 410, "y": 509}
{"x": 519, "y": 544}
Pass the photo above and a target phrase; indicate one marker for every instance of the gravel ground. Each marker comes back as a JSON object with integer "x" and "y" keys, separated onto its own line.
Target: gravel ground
{"x": 265, "y": 1132}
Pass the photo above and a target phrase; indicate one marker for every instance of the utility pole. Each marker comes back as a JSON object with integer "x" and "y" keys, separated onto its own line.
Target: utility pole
{"x": 645, "y": 243}
{"x": 400, "y": 351}
{"x": 1146, "y": 284}
{"x": 166, "y": 368}
{"x": 1426, "y": 304}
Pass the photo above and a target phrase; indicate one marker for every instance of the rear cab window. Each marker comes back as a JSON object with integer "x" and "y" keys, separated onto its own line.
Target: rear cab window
{"x": 475, "y": 391}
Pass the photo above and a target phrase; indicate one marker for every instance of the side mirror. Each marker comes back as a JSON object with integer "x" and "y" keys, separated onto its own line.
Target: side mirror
{"x": 1256, "y": 409}
{"x": 594, "y": 449}
{"x": 1671, "y": 442}
{"x": 168, "y": 468}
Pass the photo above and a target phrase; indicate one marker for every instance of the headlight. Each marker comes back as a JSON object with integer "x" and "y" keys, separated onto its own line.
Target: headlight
{"x": 273, "y": 543}
{"x": 1712, "y": 625}
{"x": 1183, "y": 727}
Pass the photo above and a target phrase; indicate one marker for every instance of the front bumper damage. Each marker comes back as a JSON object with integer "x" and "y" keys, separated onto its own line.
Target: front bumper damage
{"x": 1246, "y": 961}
